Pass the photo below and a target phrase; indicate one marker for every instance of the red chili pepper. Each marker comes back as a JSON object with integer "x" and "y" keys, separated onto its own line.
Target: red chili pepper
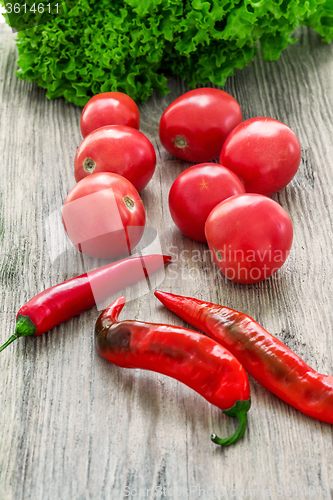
{"x": 66, "y": 300}
{"x": 187, "y": 356}
{"x": 263, "y": 356}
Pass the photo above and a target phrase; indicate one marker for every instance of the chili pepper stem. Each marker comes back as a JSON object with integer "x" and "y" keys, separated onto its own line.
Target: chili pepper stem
{"x": 24, "y": 327}
{"x": 239, "y": 410}
{"x": 9, "y": 341}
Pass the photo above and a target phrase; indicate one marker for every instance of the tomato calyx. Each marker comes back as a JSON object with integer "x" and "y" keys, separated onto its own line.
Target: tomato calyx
{"x": 130, "y": 204}
{"x": 218, "y": 255}
{"x": 89, "y": 165}
{"x": 180, "y": 142}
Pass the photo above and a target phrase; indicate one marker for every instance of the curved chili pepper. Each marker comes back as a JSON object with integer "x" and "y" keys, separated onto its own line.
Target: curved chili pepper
{"x": 66, "y": 300}
{"x": 263, "y": 356}
{"x": 187, "y": 356}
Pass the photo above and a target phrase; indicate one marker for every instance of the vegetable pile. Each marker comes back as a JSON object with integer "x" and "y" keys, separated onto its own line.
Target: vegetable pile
{"x": 132, "y": 45}
{"x": 227, "y": 205}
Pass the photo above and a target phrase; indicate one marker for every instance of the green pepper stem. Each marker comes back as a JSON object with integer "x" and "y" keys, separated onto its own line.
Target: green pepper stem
{"x": 239, "y": 410}
{"x": 24, "y": 327}
{"x": 9, "y": 341}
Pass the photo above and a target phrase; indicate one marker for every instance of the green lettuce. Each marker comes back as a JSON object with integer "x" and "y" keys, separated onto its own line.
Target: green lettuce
{"x": 133, "y": 45}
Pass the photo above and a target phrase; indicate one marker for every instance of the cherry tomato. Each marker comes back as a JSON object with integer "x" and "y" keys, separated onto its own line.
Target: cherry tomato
{"x": 104, "y": 216}
{"x": 118, "y": 149}
{"x": 250, "y": 237}
{"x": 195, "y": 126}
{"x": 194, "y": 194}
{"x": 264, "y": 153}
{"x": 109, "y": 108}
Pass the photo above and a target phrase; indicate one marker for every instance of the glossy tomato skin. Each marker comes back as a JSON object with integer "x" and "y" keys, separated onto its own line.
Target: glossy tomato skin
{"x": 104, "y": 216}
{"x": 122, "y": 150}
{"x": 249, "y": 236}
{"x": 194, "y": 127}
{"x": 265, "y": 153}
{"x": 194, "y": 194}
{"x": 109, "y": 108}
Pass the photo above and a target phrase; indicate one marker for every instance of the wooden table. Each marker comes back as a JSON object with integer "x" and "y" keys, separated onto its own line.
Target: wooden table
{"x": 75, "y": 427}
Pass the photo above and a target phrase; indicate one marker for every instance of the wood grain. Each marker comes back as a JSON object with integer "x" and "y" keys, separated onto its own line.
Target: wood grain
{"x": 76, "y": 427}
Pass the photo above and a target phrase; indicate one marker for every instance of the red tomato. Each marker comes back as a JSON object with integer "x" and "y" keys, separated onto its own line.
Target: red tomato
{"x": 194, "y": 194}
{"x": 104, "y": 216}
{"x": 264, "y": 153}
{"x": 118, "y": 149}
{"x": 109, "y": 108}
{"x": 195, "y": 126}
{"x": 250, "y": 237}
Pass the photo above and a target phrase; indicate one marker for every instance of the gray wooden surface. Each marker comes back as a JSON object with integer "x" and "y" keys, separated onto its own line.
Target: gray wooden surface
{"x": 75, "y": 427}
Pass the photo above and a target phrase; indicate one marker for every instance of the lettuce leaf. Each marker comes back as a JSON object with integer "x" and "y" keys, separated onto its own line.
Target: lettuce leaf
{"x": 133, "y": 45}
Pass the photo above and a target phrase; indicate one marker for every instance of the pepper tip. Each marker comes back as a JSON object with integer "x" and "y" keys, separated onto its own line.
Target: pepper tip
{"x": 114, "y": 309}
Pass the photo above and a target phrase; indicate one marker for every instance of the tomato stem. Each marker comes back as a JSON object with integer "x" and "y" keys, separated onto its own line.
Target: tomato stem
{"x": 180, "y": 142}
{"x": 130, "y": 204}
{"x": 89, "y": 165}
{"x": 218, "y": 255}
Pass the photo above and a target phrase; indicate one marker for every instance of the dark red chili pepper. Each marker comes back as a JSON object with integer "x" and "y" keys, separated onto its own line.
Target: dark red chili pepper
{"x": 187, "y": 356}
{"x": 263, "y": 356}
{"x": 66, "y": 300}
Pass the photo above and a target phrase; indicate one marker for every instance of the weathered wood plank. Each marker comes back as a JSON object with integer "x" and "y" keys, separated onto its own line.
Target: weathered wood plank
{"x": 75, "y": 426}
